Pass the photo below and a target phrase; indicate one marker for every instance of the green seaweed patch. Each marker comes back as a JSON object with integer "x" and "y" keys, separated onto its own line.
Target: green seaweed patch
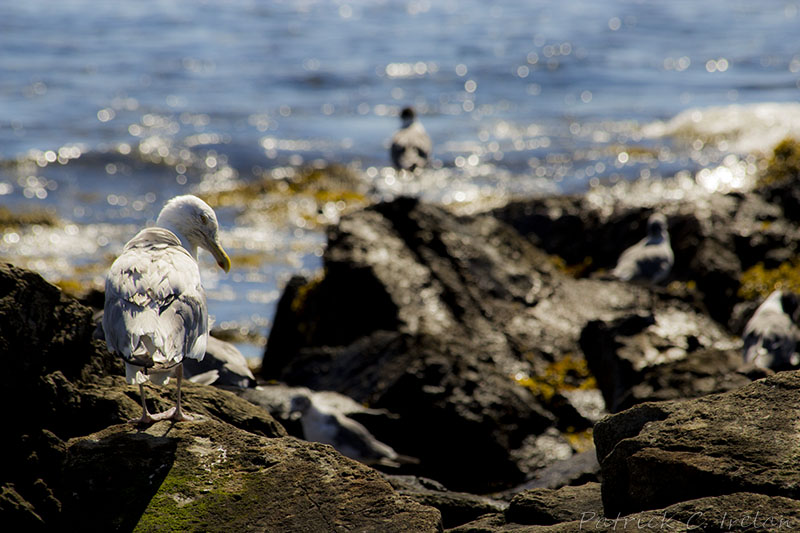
{"x": 575, "y": 271}
{"x": 783, "y": 165}
{"x": 567, "y": 374}
{"x": 313, "y": 194}
{"x": 32, "y": 217}
{"x": 758, "y": 282}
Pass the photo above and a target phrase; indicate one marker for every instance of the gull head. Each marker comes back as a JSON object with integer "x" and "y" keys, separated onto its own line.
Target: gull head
{"x": 657, "y": 225}
{"x": 407, "y": 116}
{"x": 195, "y": 224}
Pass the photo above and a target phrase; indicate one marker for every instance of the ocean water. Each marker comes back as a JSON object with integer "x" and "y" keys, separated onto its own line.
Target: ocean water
{"x": 107, "y": 109}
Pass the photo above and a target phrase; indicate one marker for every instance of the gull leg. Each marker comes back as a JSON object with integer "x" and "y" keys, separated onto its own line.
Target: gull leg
{"x": 145, "y": 418}
{"x": 176, "y": 413}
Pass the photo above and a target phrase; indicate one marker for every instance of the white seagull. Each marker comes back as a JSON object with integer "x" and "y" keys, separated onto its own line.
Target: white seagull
{"x": 770, "y": 335}
{"x": 155, "y": 306}
{"x": 649, "y": 260}
{"x": 411, "y": 146}
{"x": 323, "y": 423}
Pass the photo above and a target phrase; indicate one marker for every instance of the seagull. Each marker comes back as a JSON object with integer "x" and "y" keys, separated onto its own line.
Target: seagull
{"x": 770, "y": 335}
{"x": 411, "y": 146}
{"x": 649, "y": 260}
{"x": 223, "y": 366}
{"x": 155, "y": 311}
{"x": 321, "y": 423}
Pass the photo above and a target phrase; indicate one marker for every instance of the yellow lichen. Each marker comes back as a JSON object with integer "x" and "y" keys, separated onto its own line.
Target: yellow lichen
{"x": 784, "y": 164}
{"x": 758, "y": 282}
{"x": 580, "y": 441}
{"x": 303, "y": 292}
{"x": 576, "y": 270}
{"x": 567, "y": 374}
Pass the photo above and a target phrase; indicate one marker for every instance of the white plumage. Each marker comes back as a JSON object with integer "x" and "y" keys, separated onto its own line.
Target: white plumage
{"x": 155, "y": 307}
{"x": 223, "y": 366}
{"x": 323, "y": 422}
{"x": 770, "y": 336}
{"x": 411, "y": 146}
{"x": 649, "y": 260}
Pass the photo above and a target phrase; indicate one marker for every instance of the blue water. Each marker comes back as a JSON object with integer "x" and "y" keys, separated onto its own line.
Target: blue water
{"x": 109, "y": 108}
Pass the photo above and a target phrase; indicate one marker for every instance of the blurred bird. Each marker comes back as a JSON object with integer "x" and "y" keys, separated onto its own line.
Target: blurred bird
{"x": 649, "y": 260}
{"x": 411, "y": 146}
{"x": 155, "y": 307}
{"x": 770, "y": 335}
{"x": 223, "y": 366}
{"x": 322, "y": 423}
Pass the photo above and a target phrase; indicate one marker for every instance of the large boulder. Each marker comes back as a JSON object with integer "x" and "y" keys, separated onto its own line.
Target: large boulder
{"x": 455, "y": 324}
{"x": 209, "y": 476}
{"x": 656, "y": 454}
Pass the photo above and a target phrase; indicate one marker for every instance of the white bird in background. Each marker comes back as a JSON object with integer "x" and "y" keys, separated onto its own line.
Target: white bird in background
{"x": 155, "y": 306}
{"x": 649, "y": 260}
{"x": 770, "y": 335}
{"x": 323, "y": 423}
{"x": 223, "y": 366}
{"x": 411, "y": 146}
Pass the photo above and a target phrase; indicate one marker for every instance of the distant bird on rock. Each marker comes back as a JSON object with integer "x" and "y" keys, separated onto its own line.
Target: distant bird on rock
{"x": 155, "y": 307}
{"x": 649, "y": 260}
{"x": 411, "y": 146}
{"x": 770, "y": 335}
{"x": 323, "y": 423}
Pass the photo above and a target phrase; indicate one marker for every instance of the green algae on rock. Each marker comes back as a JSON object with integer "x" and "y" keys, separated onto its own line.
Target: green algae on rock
{"x": 208, "y": 476}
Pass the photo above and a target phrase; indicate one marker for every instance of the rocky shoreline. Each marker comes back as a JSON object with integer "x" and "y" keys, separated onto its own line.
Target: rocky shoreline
{"x": 532, "y": 392}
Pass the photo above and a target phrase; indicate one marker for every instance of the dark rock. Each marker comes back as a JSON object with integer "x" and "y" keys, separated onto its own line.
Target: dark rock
{"x": 579, "y": 469}
{"x": 456, "y": 507}
{"x": 702, "y": 372}
{"x": 739, "y": 511}
{"x": 438, "y": 389}
{"x": 18, "y": 512}
{"x": 667, "y": 353}
{"x": 209, "y": 476}
{"x": 657, "y": 454}
{"x": 449, "y": 322}
{"x": 546, "y": 506}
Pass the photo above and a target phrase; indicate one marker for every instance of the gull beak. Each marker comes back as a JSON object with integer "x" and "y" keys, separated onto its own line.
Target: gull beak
{"x": 220, "y": 256}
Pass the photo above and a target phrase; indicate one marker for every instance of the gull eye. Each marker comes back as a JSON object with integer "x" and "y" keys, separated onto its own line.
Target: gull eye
{"x": 203, "y": 219}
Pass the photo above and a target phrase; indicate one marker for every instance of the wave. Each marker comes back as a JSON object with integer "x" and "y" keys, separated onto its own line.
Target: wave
{"x": 742, "y": 129}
